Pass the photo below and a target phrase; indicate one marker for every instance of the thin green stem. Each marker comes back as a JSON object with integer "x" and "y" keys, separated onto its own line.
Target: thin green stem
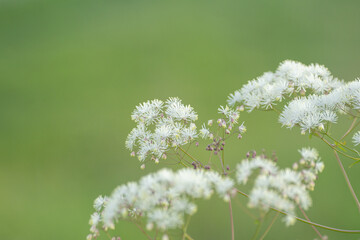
{"x": 258, "y": 228}
{"x": 334, "y": 148}
{"x": 269, "y": 227}
{"x": 185, "y": 228}
{"x": 276, "y": 110}
{"x": 180, "y": 162}
{"x": 347, "y": 180}
{"x": 181, "y": 158}
{"x": 309, "y": 222}
{"x": 188, "y": 237}
{"x": 340, "y": 143}
{"x": 194, "y": 159}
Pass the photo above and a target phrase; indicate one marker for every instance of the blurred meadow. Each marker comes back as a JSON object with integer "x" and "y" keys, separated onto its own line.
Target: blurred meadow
{"x": 72, "y": 72}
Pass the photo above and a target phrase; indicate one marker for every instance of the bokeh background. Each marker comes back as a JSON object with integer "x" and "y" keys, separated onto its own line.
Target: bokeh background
{"x": 72, "y": 71}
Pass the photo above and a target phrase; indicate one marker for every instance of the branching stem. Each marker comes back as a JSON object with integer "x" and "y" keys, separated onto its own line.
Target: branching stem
{"x": 269, "y": 227}
{"x": 307, "y": 218}
{"x": 309, "y": 222}
{"x": 143, "y": 231}
{"x": 347, "y": 180}
{"x": 350, "y": 128}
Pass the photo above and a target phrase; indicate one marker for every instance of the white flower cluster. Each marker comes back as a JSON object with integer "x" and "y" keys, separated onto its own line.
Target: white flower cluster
{"x": 314, "y": 111}
{"x": 315, "y": 95}
{"x": 162, "y": 198}
{"x": 281, "y": 189}
{"x": 230, "y": 118}
{"x": 309, "y": 166}
{"x": 161, "y": 126}
{"x": 95, "y": 218}
{"x": 289, "y": 78}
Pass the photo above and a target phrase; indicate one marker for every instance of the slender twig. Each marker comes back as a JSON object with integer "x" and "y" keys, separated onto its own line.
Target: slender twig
{"x": 188, "y": 237}
{"x": 335, "y": 149}
{"x": 347, "y": 180}
{"x": 107, "y": 234}
{"x": 222, "y": 164}
{"x": 347, "y": 112}
{"x": 307, "y": 218}
{"x": 143, "y": 231}
{"x": 185, "y": 228}
{"x": 258, "y": 228}
{"x": 269, "y": 227}
{"x": 246, "y": 211}
{"x": 309, "y": 222}
{"x": 350, "y": 128}
{"x": 156, "y": 233}
{"x": 232, "y": 221}
{"x": 342, "y": 144}
{"x": 181, "y": 159}
{"x": 194, "y": 159}
{"x": 223, "y": 152}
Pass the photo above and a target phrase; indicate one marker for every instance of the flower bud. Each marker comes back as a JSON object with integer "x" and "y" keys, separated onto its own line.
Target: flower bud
{"x": 295, "y": 166}
{"x": 149, "y": 226}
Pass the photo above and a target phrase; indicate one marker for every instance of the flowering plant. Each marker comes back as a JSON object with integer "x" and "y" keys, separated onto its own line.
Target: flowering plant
{"x": 308, "y": 97}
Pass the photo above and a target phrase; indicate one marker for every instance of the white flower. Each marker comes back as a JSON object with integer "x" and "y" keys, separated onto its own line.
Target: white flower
{"x": 309, "y": 154}
{"x": 94, "y": 219}
{"x": 178, "y": 111}
{"x": 204, "y": 131}
{"x": 356, "y": 138}
{"x": 99, "y": 202}
{"x": 147, "y": 112}
{"x": 246, "y": 167}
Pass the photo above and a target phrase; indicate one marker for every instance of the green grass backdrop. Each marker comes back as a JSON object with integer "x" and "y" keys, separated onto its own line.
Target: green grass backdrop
{"x": 72, "y": 71}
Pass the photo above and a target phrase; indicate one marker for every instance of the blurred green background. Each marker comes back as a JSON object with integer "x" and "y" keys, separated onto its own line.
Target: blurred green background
{"x": 72, "y": 71}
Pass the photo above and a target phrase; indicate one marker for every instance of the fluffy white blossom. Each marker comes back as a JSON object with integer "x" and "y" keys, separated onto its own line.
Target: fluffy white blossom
{"x": 161, "y": 126}
{"x": 204, "y": 131}
{"x": 315, "y": 96}
{"x": 99, "y": 202}
{"x": 356, "y": 138}
{"x": 231, "y": 115}
{"x": 162, "y": 199}
{"x": 281, "y": 189}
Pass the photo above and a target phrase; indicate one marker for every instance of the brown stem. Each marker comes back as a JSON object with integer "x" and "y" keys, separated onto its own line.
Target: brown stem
{"x": 143, "y": 231}
{"x": 232, "y": 221}
{"x": 347, "y": 180}
{"x": 307, "y": 218}
{"x": 269, "y": 227}
{"x": 350, "y": 129}
{"x": 246, "y": 211}
{"x": 308, "y": 222}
